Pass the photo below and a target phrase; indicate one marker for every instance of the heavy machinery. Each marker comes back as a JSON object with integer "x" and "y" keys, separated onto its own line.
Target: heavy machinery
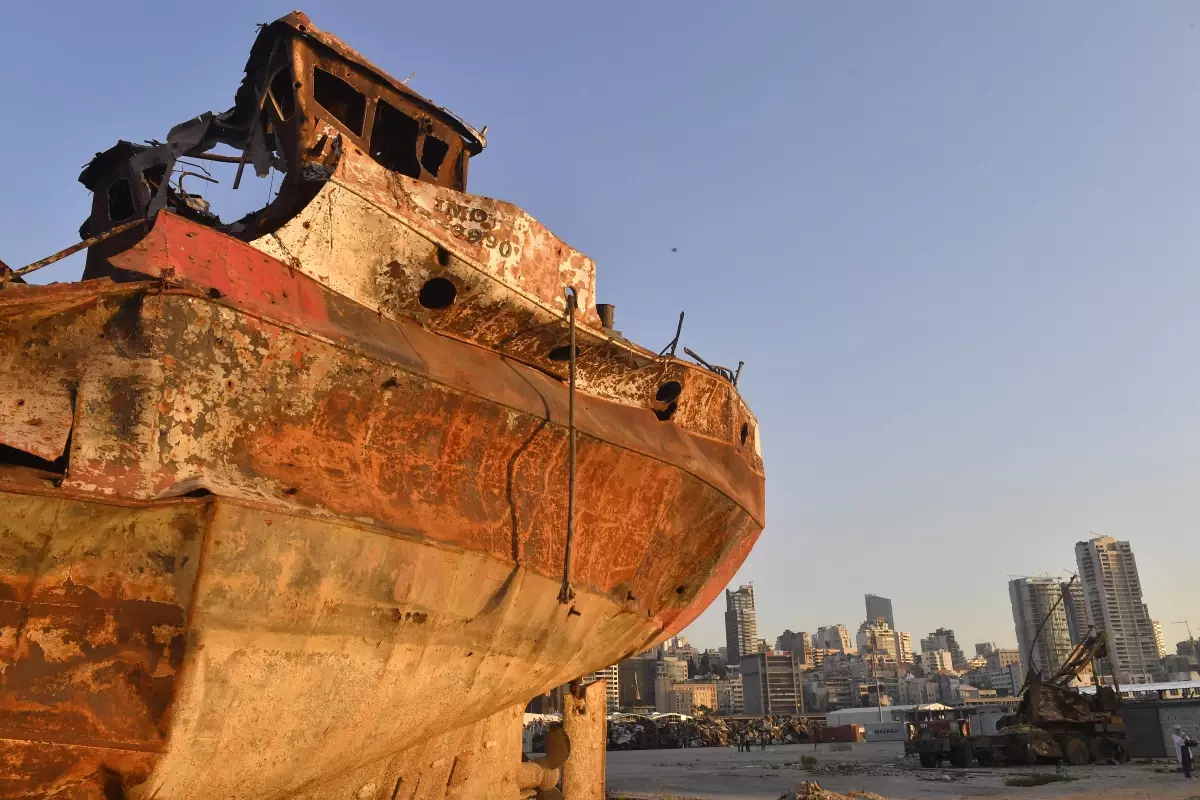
{"x": 936, "y": 736}
{"x": 1054, "y": 722}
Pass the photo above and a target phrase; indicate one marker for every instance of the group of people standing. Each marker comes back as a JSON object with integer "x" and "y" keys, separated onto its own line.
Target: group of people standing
{"x": 747, "y": 739}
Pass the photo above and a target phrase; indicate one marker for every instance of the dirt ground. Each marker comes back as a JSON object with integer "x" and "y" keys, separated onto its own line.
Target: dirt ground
{"x": 724, "y": 774}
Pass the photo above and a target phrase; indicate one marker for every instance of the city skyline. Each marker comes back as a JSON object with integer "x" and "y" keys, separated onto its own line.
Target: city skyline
{"x": 964, "y": 621}
{"x": 833, "y": 668}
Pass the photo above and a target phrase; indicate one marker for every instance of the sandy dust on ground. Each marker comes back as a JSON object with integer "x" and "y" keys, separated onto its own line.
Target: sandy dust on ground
{"x": 877, "y": 768}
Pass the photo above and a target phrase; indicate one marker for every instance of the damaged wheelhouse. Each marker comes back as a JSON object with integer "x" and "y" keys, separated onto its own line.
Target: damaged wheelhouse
{"x": 305, "y": 96}
{"x": 311, "y": 503}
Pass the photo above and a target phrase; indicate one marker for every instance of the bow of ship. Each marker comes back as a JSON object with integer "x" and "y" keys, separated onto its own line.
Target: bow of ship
{"x": 312, "y": 503}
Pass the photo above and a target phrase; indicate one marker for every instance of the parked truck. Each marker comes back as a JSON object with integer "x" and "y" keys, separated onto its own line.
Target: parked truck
{"x": 1054, "y": 722}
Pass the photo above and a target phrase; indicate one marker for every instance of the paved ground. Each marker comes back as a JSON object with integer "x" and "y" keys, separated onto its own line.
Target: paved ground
{"x": 713, "y": 773}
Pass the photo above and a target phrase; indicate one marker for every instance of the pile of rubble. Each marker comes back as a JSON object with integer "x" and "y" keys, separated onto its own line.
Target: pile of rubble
{"x": 811, "y": 790}
{"x": 646, "y": 733}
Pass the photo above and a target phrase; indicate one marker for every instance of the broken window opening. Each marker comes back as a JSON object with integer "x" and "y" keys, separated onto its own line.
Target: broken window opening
{"x": 432, "y": 153}
{"x": 394, "y": 140}
{"x": 347, "y": 104}
{"x": 120, "y": 200}
{"x": 153, "y": 177}
{"x": 282, "y": 94}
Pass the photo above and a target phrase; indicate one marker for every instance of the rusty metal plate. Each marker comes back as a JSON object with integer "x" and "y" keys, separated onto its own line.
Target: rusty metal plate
{"x": 93, "y": 601}
{"x": 35, "y": 417}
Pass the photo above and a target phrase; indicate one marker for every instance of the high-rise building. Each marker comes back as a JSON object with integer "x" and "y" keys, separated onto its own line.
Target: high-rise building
{"x": 1160, "y": 642}
{"x": 798, "y": 644}
{"x": 943, "y": 639}
{"x": 612, "y": 689}
{"x": 984, "y": 649}
{"x": 935, "y": 661}
{"x": 1114, "y": 603}
{"x": 729, "y": 695}
{"x": 880, "y": 608}
{"x": 741, "y": 624}
{"x": 883, "y": 649}
{"x": 1040, "y": 619}
{"x": 1076, "y": 606}
{"x": 877, "y": 639}
{"x": 772, "y": 685}
{"x": 834, "y": 637}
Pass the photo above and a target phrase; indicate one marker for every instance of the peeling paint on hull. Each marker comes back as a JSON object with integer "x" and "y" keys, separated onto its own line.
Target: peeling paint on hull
{"x": 312, "y": 648}
{"x": 284, "y": 501}
{"x": 279, "y": 555}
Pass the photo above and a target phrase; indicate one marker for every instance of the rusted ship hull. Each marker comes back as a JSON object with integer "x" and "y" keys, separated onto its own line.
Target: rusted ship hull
{"x": 285, "y": 503}
{"x": 266, "y": 557}
{"x": 260, "y": 671}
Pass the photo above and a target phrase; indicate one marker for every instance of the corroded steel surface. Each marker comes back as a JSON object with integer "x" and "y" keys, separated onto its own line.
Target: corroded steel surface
{"x": 299, "y": 22}
{"x": 399, "y": 490}
{"x": 329, "y": 669}
{"x": 391, "y": 232}
{"x": 283, "y": 510}
{"x": 313, "y": 648}
{"x": 497, "y": 237}
{"x": 323, "y": 402}
{"x": 93, "y": 605}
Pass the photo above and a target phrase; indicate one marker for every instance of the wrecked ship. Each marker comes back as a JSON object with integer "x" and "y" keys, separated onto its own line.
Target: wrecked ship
{"x": 310, "y": 504}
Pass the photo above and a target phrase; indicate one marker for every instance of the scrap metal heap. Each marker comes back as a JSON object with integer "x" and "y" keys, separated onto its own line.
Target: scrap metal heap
{"x": 1054, "y": 722}
{"x": 309, "y": 504}
{"x": 645, "y": 733}
{"x": 1059, "y": 721}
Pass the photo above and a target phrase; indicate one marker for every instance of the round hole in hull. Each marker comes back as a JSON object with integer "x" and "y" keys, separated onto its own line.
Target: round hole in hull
{"x": 437, "y": 293}
{"x": 668, "y": 391}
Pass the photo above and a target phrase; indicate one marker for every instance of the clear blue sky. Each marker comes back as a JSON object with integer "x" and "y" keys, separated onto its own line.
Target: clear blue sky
{"x": 955, "y": 243}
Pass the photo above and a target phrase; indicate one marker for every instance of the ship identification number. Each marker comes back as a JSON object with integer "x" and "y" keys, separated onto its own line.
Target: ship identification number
{"x": 472, "y": 224}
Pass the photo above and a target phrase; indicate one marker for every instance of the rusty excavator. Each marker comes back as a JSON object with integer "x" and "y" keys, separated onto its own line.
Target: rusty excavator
{"x": 1054, "y": 721}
